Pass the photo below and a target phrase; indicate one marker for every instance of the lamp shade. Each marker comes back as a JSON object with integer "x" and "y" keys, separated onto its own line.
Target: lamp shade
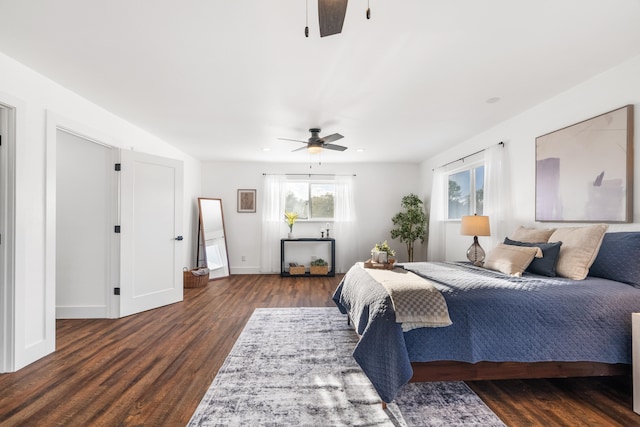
{"x": 475, "y": 225}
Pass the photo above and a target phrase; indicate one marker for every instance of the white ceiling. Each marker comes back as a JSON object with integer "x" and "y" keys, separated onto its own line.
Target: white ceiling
{"x": 223, "y": 79}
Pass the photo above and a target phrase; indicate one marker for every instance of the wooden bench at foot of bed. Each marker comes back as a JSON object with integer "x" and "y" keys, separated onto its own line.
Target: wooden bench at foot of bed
{"x": 462, "y": 371}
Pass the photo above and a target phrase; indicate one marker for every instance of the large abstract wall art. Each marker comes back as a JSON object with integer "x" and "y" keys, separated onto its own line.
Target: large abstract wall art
{"x": 584, "y": 172}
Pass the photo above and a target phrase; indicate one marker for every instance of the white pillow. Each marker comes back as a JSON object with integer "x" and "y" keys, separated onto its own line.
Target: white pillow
{"x": 580, "y": 246}
{"x": 511, "y": 260}
{"x": 531, "y": 235}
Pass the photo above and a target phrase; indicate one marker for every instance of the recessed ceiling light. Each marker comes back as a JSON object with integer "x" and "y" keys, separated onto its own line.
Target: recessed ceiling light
{"x": 493, "y": 100}
{"x": 266, "y": 149}
{"x": 360, "y": 150}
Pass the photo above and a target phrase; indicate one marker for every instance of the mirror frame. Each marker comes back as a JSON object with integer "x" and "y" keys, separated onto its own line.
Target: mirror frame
{"x": 202, "y": 243}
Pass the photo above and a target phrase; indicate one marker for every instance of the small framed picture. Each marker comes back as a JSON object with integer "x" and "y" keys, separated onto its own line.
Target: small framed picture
{"x": 247, "y": 201}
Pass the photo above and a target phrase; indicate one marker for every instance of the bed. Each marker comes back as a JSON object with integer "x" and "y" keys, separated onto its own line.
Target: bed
{"x": 503, "y": 325}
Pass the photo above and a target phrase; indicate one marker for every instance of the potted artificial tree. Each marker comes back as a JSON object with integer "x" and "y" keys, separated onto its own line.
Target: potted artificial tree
{"x": 411, "y": 223}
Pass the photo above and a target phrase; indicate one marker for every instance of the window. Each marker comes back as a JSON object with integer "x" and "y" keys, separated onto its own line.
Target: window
{"x": 310, "y": 200}
{"x": 466, "y": 192}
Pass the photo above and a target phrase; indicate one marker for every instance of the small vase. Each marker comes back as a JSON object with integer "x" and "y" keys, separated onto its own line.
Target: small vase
{"x": 383, "y": 257}
{"x": 291, "y": 235}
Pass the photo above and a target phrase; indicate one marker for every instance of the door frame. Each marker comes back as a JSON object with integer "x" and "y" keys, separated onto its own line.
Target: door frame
{"x": 8, "y": 125}
{"x": 55, "y": 123}
{"x": 112, "y": 253}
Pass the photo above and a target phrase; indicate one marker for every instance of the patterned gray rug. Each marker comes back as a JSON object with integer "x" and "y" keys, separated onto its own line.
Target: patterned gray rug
{"x": 293, "y": 367}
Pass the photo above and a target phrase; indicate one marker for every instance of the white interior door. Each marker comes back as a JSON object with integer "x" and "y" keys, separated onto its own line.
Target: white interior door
{"x": 150, "y": 232}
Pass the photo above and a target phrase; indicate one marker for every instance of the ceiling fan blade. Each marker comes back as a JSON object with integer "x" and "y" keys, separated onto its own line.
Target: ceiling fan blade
{"x": 294, "y": 140}
{"x": 299, "y": 149}
{"x": 331, "y": 15}
{"x": 331, "y": 138}
{"x": 334, "y": 147}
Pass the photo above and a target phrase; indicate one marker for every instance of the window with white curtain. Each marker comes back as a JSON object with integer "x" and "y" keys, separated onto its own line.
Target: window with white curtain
{"x": 492, "y": 197}
{"x": 311, "y": 200}
{"x": 329, "y": 200}
{"x": 465, "y": 194}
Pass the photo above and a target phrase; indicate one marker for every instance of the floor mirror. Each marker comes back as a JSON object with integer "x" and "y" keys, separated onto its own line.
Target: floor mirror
{"x": 212, "y": 241}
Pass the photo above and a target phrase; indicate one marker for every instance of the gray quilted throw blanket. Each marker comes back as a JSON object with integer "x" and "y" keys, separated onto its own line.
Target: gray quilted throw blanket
{"x": 416, "y": 301}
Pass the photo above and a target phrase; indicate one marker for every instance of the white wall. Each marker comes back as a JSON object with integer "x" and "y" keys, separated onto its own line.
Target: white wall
{"x": 379, "y": 189}
{"x": 34, "y": 320}
{"x": 610, "y": 90}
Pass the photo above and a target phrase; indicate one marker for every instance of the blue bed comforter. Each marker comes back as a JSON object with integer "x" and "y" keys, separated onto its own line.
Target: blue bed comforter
{"x": 495, "y": 318}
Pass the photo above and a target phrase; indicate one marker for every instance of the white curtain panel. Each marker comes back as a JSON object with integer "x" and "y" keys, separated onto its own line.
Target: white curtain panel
{"x": 345, "y": 224}
{"x": 272, "y": 220}
{"x": 496, "y": 193}
{"x": 436, "y": 243}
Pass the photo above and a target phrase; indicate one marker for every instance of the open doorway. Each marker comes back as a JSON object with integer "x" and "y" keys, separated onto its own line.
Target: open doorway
{"x": 86, "y": 201}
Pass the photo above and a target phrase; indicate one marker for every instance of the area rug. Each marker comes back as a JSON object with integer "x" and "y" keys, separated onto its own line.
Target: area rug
{"x": 293, "y": 367}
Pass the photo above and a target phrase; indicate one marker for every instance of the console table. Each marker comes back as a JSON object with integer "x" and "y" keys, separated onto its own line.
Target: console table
{"x": 332, "y": 263}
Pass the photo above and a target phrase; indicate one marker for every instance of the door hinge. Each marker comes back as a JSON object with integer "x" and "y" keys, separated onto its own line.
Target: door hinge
{"x": 116, "y": 291}
{"x": 116, "y": 229}
{"x": 118, "y": 166}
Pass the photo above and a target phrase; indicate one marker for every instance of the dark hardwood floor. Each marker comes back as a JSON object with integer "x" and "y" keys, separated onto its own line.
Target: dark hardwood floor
{"x": 152, "y": 369}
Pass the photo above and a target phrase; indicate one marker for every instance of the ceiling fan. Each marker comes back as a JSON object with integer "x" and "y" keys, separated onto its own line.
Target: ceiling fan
{"x": 331, "y": 15}
{"x": 316, "y": 143}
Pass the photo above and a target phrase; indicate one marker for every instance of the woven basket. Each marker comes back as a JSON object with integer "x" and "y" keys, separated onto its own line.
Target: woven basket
{"x": 319, "y": 269}
{"x": 193, "y": 281}
{"x": 296, "y": 271}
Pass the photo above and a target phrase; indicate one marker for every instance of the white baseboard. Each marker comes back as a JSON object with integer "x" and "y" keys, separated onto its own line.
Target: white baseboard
{"x": 82, "y": 312}
{"x": 245, "y": 270}
{"x": 255, "y": 270}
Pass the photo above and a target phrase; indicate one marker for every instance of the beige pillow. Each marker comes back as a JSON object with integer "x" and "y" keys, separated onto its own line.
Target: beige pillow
{"x": 580, "y": 246}
{"x": 532, "y": 235}
{"x": 511, "y": 260}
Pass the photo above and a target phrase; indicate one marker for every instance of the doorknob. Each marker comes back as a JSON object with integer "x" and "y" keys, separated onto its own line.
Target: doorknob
{"x": 179, "y": 238}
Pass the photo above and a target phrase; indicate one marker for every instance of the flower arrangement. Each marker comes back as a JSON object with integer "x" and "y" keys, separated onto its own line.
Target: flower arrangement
{"x": 381, "y": 252}
{"x": 290, "y": 218}
{"x": 383, "y": 247}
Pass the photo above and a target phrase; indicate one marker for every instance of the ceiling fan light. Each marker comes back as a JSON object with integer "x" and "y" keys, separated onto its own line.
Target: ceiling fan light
{"x": 314, "y": 149}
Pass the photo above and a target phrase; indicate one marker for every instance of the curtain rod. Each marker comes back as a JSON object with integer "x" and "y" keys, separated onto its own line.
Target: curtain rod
{"x": 464, "y": 157}
{"x": 308, "y": 174}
